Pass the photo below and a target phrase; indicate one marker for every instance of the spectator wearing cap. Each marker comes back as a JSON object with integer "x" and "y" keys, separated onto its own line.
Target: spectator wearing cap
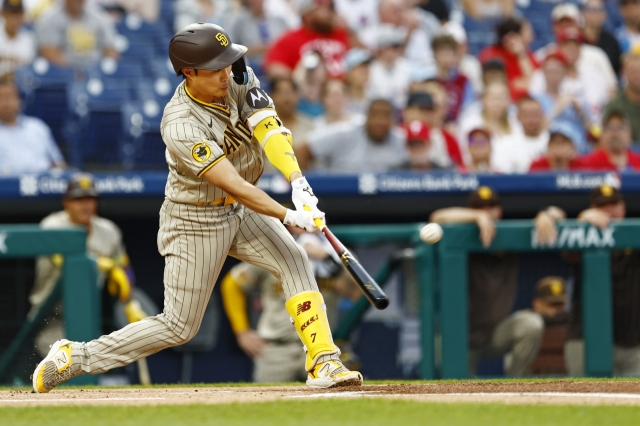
{"x": 594, "y": 17}
{"x": 558, "y": 102}
{"x": 319, "y": 33}
{"x": 390, "y": 71}
{"x": 358, "y": 63}
{"x": 628, "y": 34}
{"x": 613, "y": 152}
{"x": 493, "y": 280}
{"x": 374, "y": 146}
{"x": 70, "y": 34}
{"x": 561, "y": 149}
{"x": 104, "y": 243}
{"x": 17, "y": 44}
{"x": 628, "y": 98}
{"x": 252, "y": 27}
{"x": 444, "y": 151}
{"x": 607, "y": 206}
{"x": 26, "y": 143}
{"x": 459, "y": 89}
{"x": 418, "y": 146}
{"x": 415, "y": 27}
{"x": 333, "y": 95}
{"x": 479, "y": 146}
{"x": 512, "y": 49}
{"x": 565, "y": 16}
{"x": 469, "y": 64}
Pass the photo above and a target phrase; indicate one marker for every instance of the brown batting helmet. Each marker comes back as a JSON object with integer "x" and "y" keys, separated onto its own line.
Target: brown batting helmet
{"x": 207, "y": 47}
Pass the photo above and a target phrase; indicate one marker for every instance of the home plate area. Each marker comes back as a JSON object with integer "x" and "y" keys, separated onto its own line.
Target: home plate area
{"x": 548, "y": 392}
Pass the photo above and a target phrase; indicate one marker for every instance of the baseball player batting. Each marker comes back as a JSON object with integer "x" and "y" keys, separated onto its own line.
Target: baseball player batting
{"x": 217, "y": 127}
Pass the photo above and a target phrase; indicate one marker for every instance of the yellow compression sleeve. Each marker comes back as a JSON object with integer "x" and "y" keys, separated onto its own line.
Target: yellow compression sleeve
{"x": 235, "y": 304}
{"x": 277, "y": 146}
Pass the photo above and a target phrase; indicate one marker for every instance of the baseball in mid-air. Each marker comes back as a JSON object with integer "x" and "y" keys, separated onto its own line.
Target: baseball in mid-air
{"x": 431, "y": 233}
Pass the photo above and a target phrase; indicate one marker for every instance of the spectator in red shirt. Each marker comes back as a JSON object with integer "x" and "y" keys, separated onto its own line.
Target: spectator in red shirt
{"x": 318, "y": 33}
{"x": 614, "y": 152}
{"x": 459, "y": 89}
{"x": 419, "y": 147}
{"x": 512, "y": 50}
{"x": 561, "y": 149}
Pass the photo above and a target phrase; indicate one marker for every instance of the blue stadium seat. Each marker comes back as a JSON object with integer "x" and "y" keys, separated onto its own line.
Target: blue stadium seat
{"x": 97, "y": 138}
{"x": 480, "y": 34}
{"x": 143, "y": 146}
{"x": 139, "y": 48}
{"x": 44, "y": 88}
{"x": 110, "y": 69}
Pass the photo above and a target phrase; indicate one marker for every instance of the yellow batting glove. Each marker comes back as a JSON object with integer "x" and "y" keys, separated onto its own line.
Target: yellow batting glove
{"x": 134, "y": 311}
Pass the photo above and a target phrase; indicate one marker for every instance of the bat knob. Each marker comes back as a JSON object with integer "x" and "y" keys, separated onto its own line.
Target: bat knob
{"x": 381, "y": 304}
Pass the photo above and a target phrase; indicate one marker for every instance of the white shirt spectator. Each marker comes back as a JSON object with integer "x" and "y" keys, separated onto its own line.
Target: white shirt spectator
{"x": 27, "y": 147}
{"x": 592, "y": 59}
{"x": 17, "y": 51}
{"x": 515, "y": 154}
{"x": 358, "y": 13}
{"x": 391, "y": 83}
{"x": 348, "y": 149}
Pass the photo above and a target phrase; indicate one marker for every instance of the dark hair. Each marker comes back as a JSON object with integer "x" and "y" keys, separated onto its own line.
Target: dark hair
{"x": 380, "y": 101}
{"x": 273, "y": 86}
{"x": 509, "y": 25}
{"x": 526, "y": 98}
{"x": 444, "y": 42}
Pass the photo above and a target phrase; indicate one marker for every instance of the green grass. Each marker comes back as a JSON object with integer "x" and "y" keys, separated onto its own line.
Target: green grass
{"x": 369, "y": 411}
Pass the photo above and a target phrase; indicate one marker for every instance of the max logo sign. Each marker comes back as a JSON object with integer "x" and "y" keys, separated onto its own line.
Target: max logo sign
{"x": 578, "y": 238}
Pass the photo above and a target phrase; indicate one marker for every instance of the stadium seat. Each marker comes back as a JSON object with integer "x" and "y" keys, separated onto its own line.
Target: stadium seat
{"x": 143, "y": 145}
{"x": 44, "y": 88}
{"x": 96, "y": 111}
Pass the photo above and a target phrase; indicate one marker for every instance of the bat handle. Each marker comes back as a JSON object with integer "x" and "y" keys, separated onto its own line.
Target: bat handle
{"x": 319, "y": 222}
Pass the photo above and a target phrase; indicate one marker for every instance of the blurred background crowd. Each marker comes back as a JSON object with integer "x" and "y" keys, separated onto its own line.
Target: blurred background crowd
{"x": 490, "y": 86}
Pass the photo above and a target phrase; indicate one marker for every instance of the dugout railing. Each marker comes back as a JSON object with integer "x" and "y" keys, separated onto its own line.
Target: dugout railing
{"x": 81, "y": 302}
{"x": 443, "y": 276}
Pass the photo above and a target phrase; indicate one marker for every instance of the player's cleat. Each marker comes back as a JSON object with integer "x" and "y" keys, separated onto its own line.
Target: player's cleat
{"x": 331, "y": 374}
{"x": 55, "y": 368}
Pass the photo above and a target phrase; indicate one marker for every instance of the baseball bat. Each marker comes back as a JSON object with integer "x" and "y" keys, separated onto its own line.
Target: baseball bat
{"x": 368, "y": 285}
{"x": 143, "y": 372}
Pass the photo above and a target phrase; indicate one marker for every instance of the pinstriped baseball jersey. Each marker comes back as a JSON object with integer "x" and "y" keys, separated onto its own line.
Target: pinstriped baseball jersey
{"x": 198, "y": 135}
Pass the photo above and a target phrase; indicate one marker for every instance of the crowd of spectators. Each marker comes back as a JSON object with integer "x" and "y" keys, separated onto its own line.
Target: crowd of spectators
{"x": 334, "y": 65}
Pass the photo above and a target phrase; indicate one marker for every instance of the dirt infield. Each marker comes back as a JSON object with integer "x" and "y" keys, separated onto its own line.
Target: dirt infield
{"x": 550, "y": 392}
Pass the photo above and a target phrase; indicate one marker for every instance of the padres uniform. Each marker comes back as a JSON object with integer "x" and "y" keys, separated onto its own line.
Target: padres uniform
{"x": 200, "y": 224}
{"x": 281, "y": 359}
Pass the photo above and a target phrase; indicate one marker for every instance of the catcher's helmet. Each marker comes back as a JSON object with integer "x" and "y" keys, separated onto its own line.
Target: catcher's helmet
{"x": 207, "y": 47}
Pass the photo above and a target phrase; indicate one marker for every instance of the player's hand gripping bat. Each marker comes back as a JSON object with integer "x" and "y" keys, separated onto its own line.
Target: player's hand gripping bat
{"x": 369, "y": 287}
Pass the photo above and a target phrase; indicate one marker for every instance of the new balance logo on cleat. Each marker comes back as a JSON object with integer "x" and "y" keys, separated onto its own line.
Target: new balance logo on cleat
{"x": 303, "y": 307}
{"x": 61, "y": 360}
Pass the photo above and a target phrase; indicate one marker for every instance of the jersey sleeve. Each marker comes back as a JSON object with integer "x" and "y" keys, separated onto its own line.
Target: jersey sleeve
{"x": 252, "y": 99}
{"x": 189, "y": 142}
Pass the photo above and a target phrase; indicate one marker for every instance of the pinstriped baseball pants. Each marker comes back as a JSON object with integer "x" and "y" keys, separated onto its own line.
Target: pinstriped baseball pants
{"x": 195, "y": 242}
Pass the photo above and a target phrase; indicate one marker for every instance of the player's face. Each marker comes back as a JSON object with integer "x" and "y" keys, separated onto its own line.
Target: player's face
{"x": 81, "y": 210}
{"x": 209, "y": 83}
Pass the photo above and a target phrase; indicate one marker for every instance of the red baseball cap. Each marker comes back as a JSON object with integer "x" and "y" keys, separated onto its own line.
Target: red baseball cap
{"x": 570, "y": 34}
{"x": 557, "y": 54}
{"x": 416, "y": 130}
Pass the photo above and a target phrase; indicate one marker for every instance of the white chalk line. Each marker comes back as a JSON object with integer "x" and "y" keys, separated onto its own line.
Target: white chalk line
{"x": 472, "y": 394}
{"x": 79, "y": 399}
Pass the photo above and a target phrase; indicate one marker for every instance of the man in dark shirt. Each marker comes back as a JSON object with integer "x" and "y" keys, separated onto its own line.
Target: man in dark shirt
{"x": 493, "y": 279}
{"x": 608, "y": 205}
{"x": 594, "y": 16}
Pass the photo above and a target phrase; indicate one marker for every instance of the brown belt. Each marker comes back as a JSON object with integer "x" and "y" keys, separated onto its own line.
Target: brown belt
{"x": 224, "y": 201}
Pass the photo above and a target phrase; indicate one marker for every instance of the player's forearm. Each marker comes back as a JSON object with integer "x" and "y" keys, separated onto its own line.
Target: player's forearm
{"x": 277, "y": 143}
{"x": 224, "y": 176}
{"x": 454, "y": 215}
